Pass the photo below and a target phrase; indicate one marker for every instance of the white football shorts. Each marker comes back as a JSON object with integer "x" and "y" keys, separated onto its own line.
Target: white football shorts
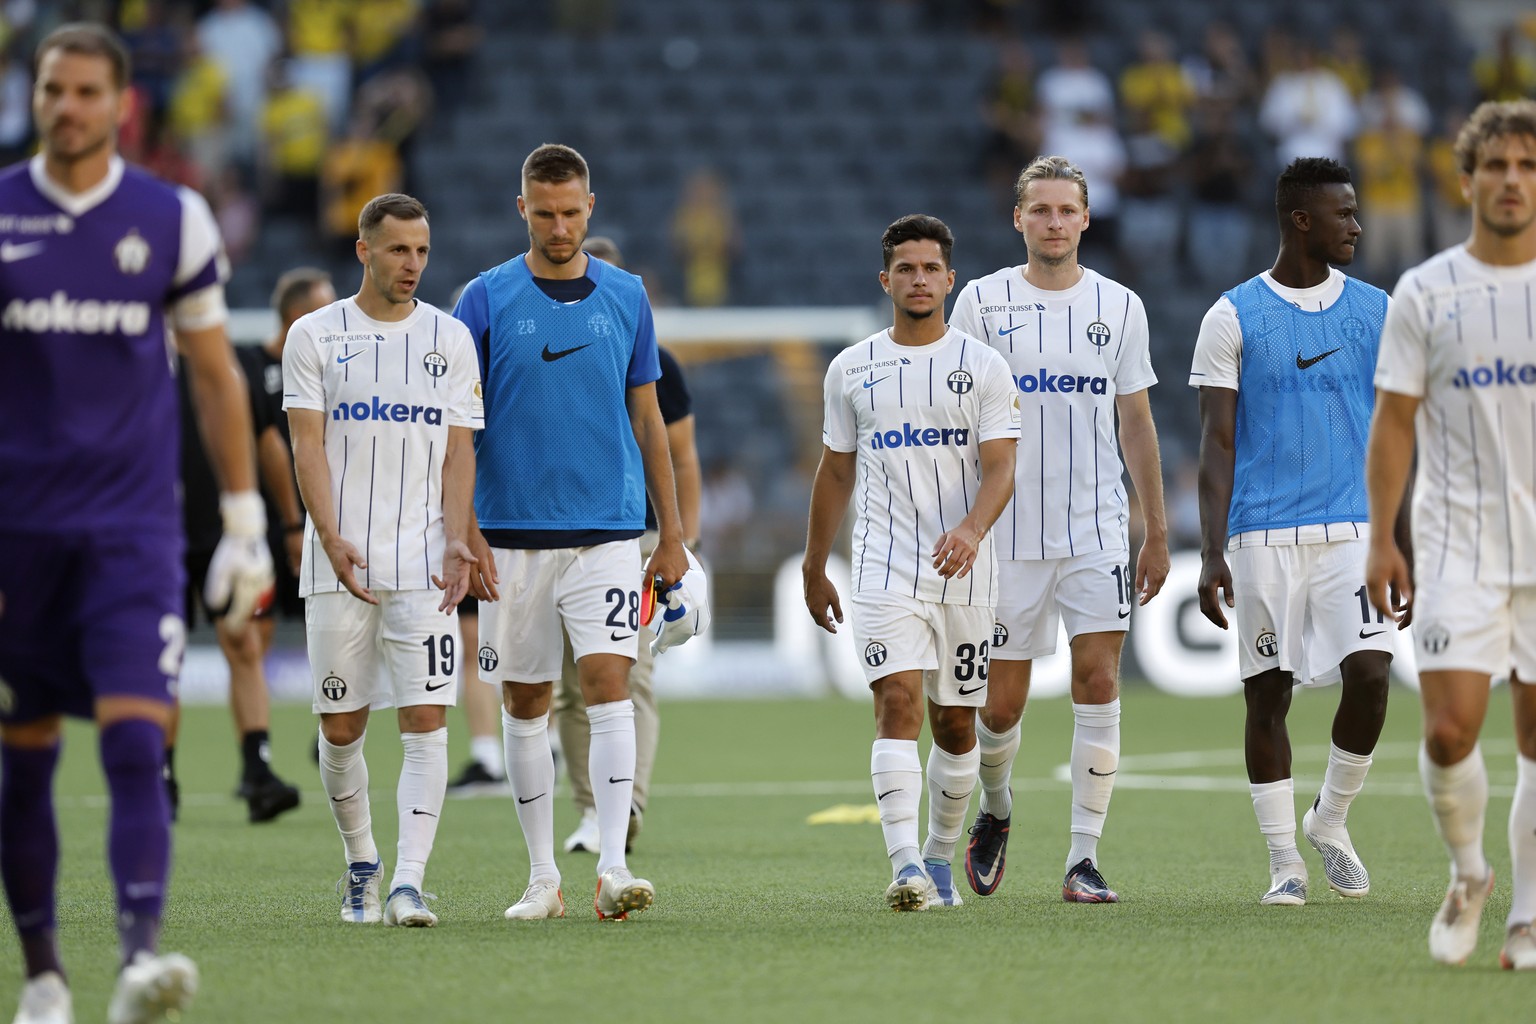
{"x": 949, "y": 643}
{"x": 399, "y": 653}
{"x": 1478, "y": 627}
{"x": 1302, "y": 608}
{"x": 594, "y": 592}
{"x": 1091, "y": 592}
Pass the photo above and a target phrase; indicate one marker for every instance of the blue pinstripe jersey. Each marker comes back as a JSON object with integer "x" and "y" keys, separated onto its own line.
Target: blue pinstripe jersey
{"x": 916, "y": 416}
{"x": 389, "y": 393}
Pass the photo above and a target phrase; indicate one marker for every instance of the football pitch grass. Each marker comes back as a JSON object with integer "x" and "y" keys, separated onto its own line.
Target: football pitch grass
{"x": 762, "y": 916}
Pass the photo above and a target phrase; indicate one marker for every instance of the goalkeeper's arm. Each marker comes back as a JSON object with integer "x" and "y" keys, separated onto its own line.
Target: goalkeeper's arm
{"x": 241, "y": 570}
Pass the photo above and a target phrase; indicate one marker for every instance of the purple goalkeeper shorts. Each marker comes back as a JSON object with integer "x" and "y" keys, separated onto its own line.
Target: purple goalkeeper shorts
{"x": 88, "y": 616}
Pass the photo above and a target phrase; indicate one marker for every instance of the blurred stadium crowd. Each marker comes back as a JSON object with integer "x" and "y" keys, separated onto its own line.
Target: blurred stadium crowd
{"x": 749, "y": 153}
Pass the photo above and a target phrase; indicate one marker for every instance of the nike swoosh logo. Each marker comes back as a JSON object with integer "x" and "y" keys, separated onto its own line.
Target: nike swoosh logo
{"x": 615, "y": 781}
{"x": 348, "y": 359}
{"x": 439, "y": 686}
{"x": 418, "y": 810}
{"x": 1102, "y": 775}
{"x": 952, "y": 796}
{"x": 349, "y": 796}
{"x": 1366, "y": 636}
{"x": 529, "y": 800}
{"x": 887, "y": 793}
{"x": 616, "y": 636}
{"x": 1003, "y": 332}
{"x": 10, "y": 252}
{"x": 550, "y": 356}
{"x": 871, "y": 383}
{"x": 986, "y": 878}
{"x": 998, "y": 765}
{"x": 1123, "y": 615}
{"x": 966, "y": 693}
{"x": 1302, "y": 364}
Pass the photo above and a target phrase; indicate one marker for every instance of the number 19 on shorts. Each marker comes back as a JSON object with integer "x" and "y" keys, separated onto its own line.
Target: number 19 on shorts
{"x": 439, "y": 654}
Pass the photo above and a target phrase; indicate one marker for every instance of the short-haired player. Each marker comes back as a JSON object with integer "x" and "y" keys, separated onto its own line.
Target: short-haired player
{"x": 921, "y": 422}
{"x": 383, "y": 398}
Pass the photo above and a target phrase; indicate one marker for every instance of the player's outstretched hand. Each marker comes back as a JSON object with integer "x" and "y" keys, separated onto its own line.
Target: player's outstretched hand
{"x": 1214, "y": 576}
{"x": 1152, "y": 567}
{"x": 344, "y": 557}
{"x": 482, "y": 577}
{"x": 240, "y": 574}
{"x": 458, "y": 566}
{"x": 669, "y": 561}
{"x": 1388, "y": 582}
{"x": 821, "y": 600}
{"x": 955, "y": 551}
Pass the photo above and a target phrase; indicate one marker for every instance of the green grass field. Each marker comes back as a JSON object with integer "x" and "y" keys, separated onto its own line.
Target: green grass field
{"x": 761, "y": 916}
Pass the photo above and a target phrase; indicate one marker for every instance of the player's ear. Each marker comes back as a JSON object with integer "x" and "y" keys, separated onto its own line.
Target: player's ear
{"x": 885, "y": 281}
{"x": 949, "y": 282}
{"x": 362, "y": 252}
{"x": 522, "y": 208}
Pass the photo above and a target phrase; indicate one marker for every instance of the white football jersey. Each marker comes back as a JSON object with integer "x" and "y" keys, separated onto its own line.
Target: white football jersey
{"x": 916, "y": 416}
{"x": 1461, "y": 336}
{"x": 1070, "y": 353}
{"x": 389, "y": 392}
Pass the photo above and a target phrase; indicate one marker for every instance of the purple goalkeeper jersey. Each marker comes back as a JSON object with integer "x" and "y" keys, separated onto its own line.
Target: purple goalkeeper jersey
{"x": 88, "y": 408}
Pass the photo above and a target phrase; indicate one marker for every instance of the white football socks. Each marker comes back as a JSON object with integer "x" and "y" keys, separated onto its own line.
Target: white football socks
{"x": 419, "y": 801}
{"x": 1458, "y": 798}
{"x": 897, "y": 775}
{"x": 1522, "y": 843}
{"x": 995, "y": 767}
{"x": 1274, "y": 804}
{"x": 1095, "y": 759}
{"x": 531, "y": 770}
{"x": 1341, "y": 784}
{"x": 611, "y": 768}
{"x": 951, "y": 781}
{"x": 344, "y": 774}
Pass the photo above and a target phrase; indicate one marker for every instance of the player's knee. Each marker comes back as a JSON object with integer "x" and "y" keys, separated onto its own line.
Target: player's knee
{"x": 1095, "y": 685}
{"x": 132, "y": 747}
{"x": 423, "y": 718}
{"x": 342, "y": 730}
{"x": 1449, "y": 739}
{"x": 954, "y": 728}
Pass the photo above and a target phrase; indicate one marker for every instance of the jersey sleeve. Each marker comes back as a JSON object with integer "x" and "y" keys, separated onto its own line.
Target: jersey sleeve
{"x": 999, "y": 400}
{"x": 839, "y": 429}
{"x": 473, "y": 310}
{"x": 672, "y": 389}
{"x": 1133, "y": 370}
{"x": 466, "y": 406}
{"x": 1218, "y": 358}
{"x": 303, "y": 371}
{"x": 1402, "y": 365}
{"x": 196, "y": 299}
{"x": 644, "y": 365}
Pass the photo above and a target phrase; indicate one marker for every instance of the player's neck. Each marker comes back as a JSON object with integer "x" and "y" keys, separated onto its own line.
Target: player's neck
{"x": 1295, "y": 270}
{"x": 81, "y": 175}
{"x": 1049, "y": 278}
{"x": 376, "y": 307}
{"x": 1502, "y": 250}
{"x": 909, "y": 331}
{"x": 570, "y": 270}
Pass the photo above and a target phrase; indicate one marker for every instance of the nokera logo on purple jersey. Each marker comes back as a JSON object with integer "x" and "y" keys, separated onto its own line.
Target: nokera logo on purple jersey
{"x": 388, "y": 412}
{"x": 60, "y": 313}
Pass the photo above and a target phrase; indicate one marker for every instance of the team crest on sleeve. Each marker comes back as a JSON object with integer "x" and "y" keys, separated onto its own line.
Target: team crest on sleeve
{"x": 131, "y": 253}
{"x": 874, "y": 654}
{"x": 960, "y": 382}
{"x": 435, "y": 363}
{"x": 1098, "y": 334}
